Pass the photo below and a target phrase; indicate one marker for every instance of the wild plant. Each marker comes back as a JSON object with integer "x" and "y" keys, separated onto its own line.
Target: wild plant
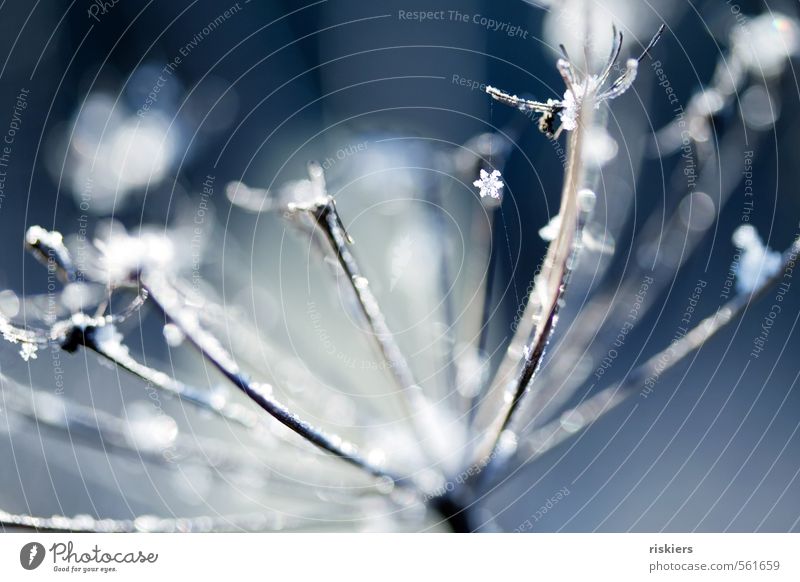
{"x": 442, "y": 452}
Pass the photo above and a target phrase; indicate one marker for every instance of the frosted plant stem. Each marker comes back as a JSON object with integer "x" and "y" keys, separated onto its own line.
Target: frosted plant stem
{"x": 116, "y": 353}
{"x": 49, "y": 249}
{"x": 166, "y": 298}
{"x": 72, "y": 422}
{"x": 593, "y": 408}
{"x": 595, "y": 321}
{"x": 252, "y": 522}
{"x": 99, "y": 334}
{"x": 584, "y": 93}
{"x": 415, "y": 401}
{"x": 68, "y": 421}
{"x": 202, "y": 400}
{"x": 513, "y": 377}
{"x": 250, "y": 347}
{"x": 502, "y": 449}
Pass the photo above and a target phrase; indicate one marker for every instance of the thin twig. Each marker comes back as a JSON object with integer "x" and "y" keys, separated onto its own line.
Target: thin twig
{"x": 49, "y": 249}
{"x": 594, "y": 407}
{"x": 417, "y": 405}
{"x": 535, "y": 353}
{"x": 115, "y": 352}
{"x": 98, "y": 334}
{"x": 69, "y": 421}
{"x": 167, "y": 299}
{"x": 251, "y": 522}
{"x": 513, "y": 377}
{"x": 596, "y": 321}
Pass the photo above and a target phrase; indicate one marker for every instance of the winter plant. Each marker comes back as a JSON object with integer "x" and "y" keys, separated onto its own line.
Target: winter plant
{"x": 430, "y": 467}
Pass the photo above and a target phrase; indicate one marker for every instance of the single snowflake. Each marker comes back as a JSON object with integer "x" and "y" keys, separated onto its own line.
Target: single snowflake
{"x": 489, "y": 184}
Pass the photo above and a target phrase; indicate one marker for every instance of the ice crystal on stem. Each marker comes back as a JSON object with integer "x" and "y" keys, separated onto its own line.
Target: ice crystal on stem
{"x": 757, "y": 262}
{"x": 579, "y": 90}
{"x": 28, "y": 351}
{"x": 123, "y": 254}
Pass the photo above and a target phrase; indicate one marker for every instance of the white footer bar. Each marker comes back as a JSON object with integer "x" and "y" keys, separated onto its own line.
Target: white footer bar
{"x": 406, "y": 557}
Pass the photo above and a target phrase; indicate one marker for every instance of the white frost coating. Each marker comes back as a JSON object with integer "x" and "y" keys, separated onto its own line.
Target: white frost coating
{"x": 624, "y": 82}
{"x": 757, "y": 262}
{"x": 28, "y": 351}
{"x": 579, "y": 88}
{"x": 577, "y": 94}
{"x": 305, "y": 195}
{"x": 37, "y": 234}
{"x": 8, "y": 332}
{"x": 586, "y": 202}
{"x": 123, "y": 255}
{"x": 173, "y": 335}
{"x": 247, "y": 198}
{"x": 573, "y": 98}
{"x": 109, "y": 341}
{"x": 549, "y": 231}
{"x": 489, "y": 184}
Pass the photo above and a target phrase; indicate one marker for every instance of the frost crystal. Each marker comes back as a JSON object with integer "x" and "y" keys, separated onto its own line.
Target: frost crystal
{"x": 123, "y": 254}
{"x": 28, "y": 351}
{"x": 109, "y": 340}
{"x": 489, "y": 184}
{"x": 38, "y": 235}
{"x": 757, "y": 262}
{"x": 579, "y": 88}
{"x": 571, "y": 103}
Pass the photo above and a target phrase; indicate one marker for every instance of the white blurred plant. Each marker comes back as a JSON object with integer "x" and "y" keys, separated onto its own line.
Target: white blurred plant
{"x": 438, "y": 456}
{"x": 111, "y": 152}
